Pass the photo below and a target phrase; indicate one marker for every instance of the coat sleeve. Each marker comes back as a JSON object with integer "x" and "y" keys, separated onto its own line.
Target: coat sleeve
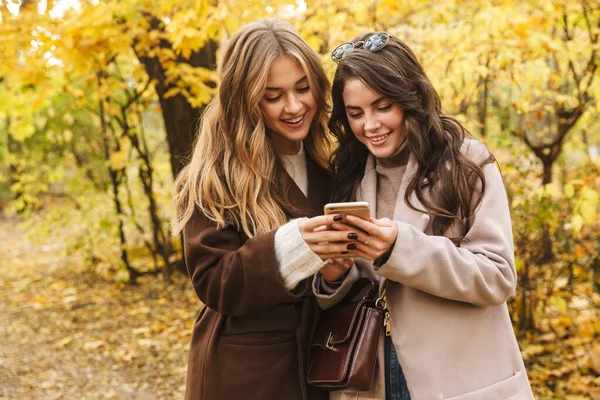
{"x": 234, "y": 277}
{"x": 480, "y": 271}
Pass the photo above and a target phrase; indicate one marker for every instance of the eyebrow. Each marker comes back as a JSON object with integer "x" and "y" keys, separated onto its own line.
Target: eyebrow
{"x": 304, "y": 78}
{"x": 373, "y": 103}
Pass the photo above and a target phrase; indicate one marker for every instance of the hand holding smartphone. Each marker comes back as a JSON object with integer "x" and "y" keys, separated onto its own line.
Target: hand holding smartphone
{"x": 360, "y": 209}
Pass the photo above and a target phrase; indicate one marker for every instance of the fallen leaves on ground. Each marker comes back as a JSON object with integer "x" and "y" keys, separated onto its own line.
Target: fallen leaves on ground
{"x": 67, "y": 334}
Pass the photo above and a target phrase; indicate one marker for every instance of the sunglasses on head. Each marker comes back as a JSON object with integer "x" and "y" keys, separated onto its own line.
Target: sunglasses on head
{"x": 374, "y": 42}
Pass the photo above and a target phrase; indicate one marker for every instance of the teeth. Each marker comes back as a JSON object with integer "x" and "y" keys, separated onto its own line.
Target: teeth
{"x": 295, "y": 120}
{"x": 378, "y": 138}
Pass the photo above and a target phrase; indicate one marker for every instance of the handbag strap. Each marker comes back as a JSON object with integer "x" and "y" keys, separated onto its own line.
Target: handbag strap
{"x": 361, "y": 285}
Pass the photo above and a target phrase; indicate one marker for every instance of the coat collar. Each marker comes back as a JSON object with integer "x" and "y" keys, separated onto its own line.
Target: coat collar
{"x": 402, "y": 212}
{"x": 319, "y": 191}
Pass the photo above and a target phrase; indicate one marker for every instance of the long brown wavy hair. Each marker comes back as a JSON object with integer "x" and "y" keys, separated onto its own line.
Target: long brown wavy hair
{"x": 234, "y": 174}
{"x": 434, "y": 139}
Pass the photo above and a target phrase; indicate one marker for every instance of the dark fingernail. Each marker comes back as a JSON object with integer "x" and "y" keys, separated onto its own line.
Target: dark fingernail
{"x": 337, "y": 218}
{"x": 353, "y": 235}
{"x": 345, "y": 252}
{"x": 351, "y": 246}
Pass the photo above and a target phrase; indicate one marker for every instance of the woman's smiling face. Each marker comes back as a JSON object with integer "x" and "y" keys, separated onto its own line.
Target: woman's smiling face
{"x": 288, "y": 105}
{"x": 376, "y": 121}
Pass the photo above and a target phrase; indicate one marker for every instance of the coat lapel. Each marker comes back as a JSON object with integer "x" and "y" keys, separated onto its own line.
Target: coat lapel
{"x": 368, "y": 186}
{"x": 402, "y": 212}
{"x": 368, "y": 192}
{"x": 319, "y": 187}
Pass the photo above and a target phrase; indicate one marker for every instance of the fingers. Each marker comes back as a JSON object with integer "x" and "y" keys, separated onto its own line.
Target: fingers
{"x": 330, "y": 236}
{"x": 366, "y": 226}
{"x": 332, "y": 250}
{"x": 315, "y": 222}
{"x": 321, "y": 228}
{"x": 354, "y": 237}
{"x": 383, "y": 222}
{"x": 365, "y": 251}
{"x": 340, "y": 226}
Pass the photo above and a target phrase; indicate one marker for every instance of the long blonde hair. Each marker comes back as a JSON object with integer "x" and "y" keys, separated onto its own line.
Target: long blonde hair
{"x": 233, "y": 176}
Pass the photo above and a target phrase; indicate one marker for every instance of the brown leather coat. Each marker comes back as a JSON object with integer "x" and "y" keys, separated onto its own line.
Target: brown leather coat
{"x": 249, "y": 340}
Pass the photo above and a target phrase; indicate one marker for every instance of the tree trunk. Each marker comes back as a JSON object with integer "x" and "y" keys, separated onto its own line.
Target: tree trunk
{"x": 596, "y": 269}
{"x": 115, "y": 179}
{"x": 482, "y": 105}
{"x": 178, "y": 114}
{"x": 547, "y": 172}
{"x": 525, "y": 311}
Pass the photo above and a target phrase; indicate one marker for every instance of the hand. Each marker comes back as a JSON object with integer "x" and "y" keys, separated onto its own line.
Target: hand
{"x": 322, "y": 240}
{"x": 336, "y": 268}
{"x": 375, "y": 237}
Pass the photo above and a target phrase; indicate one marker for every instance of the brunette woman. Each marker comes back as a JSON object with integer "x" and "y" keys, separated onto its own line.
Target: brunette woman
{"x": 439, "y": 240}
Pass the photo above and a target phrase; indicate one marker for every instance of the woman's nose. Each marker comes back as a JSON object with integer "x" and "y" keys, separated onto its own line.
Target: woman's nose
{"x": 372, "y": 124}
{"x": 293, "y": 105}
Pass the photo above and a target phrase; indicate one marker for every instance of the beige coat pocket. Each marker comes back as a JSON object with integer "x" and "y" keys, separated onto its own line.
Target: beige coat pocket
{"x": 512, "y": 388}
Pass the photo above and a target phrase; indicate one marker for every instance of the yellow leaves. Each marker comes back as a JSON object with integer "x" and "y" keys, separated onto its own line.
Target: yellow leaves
{"x": 361, "y": 13}
{"x": 118, "y": 161}
{"x": 549, "y": 190}
{"x": 139, "y": 310}
{"x": 103, "y": 92}
{"x": 561, "y": 305}
{"x": 518, "y": 264}
{"x": 315, "y": 42}
{"x": 39, "y": 302}
{"x": 189, "y": 32}
{"x": 64, "y": 342}
{"x": 192, "y": 82}
{"x": 93, "y": 345}
{"x": 231, "y": 24}
{"x": 585, "y": 211}
{"x": 569, "y": 190}
{"x": 577, "y": 225}
{"x": 588, "y": 204}
{"x": 162, "y": 301}
{"x": 157, "y": 326}
{"x": 172, "y": 92}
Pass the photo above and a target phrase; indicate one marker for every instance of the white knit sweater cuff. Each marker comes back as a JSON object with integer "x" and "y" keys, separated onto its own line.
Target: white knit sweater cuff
{"x": 296, "y": 259}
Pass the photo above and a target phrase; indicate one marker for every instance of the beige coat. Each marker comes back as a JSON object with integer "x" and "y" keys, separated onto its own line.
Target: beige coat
{"x": 450, "y": 323}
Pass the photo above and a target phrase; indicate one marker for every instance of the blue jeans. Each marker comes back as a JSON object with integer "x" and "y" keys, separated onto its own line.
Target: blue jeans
{"x": 395, "y": 383}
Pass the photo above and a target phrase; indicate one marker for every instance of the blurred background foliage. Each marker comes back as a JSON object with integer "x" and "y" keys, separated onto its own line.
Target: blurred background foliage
{"x": 100, "y": 100}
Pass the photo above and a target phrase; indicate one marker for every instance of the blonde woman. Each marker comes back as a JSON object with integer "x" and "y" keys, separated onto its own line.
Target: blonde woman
{"x": 260, "y": 160}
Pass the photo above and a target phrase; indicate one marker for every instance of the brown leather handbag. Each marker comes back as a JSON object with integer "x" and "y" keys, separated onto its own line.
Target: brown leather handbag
{"x": 344, "y": 346}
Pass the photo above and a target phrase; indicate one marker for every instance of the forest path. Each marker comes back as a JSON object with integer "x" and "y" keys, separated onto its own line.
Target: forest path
{"x": 65, "y": 333}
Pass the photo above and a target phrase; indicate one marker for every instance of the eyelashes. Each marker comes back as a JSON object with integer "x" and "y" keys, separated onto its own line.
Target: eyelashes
{"x": 384, "y": 108}
{"x": 303, "y": 89}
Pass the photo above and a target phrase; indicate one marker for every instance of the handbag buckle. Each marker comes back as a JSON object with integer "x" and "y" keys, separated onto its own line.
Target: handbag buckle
{"x": 328, "y": 344}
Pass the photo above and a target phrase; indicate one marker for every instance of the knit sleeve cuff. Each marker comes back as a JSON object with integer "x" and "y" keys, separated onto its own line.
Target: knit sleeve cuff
{"x": 296, "y": 260}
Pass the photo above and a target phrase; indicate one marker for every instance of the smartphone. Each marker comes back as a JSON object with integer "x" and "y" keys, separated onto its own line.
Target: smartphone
{"x": 359, "y": 209}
